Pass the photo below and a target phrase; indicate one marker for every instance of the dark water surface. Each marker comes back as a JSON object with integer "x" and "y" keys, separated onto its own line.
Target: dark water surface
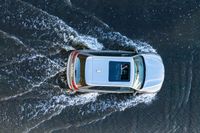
{"x": 35, "y": 36}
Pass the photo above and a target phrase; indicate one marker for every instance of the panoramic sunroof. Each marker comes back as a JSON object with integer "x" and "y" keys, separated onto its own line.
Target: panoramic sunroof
{"x": 119, "y": 71}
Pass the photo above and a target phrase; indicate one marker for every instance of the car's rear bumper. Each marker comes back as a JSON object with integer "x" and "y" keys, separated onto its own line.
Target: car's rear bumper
{"x": 70, "y": 71}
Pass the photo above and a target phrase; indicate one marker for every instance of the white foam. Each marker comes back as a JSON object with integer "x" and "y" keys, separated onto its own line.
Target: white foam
{"x": 56, "y": 104}
{"x": 120, "y": 105}
{"x": 60, "y": 102}
{"x": 87, "y": 41}
{"x": 111, "y": 106}
{"x": 128, "y": 103}
{"x": 15, "y": 96}
{"x": 52, "y": 107}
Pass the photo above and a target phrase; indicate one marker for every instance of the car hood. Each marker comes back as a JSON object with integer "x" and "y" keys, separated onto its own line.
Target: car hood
{"x": 154, "y": 74}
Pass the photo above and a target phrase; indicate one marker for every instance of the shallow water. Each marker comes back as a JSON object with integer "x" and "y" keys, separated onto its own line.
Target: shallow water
{"x": 36, "y": 35}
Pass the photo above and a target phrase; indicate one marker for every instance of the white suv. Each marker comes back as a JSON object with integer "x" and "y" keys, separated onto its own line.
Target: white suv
{"x": 114, "y": 72}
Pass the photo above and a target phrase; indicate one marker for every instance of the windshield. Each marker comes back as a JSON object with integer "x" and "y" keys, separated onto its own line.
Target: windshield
{"x": 139, "y": 70}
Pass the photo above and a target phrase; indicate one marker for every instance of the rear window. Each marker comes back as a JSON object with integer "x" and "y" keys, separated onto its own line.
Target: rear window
{"x": 80, "y": 70}
{"x": 119, "y": 71}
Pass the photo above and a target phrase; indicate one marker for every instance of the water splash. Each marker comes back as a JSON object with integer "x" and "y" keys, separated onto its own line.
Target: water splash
{"x": 56, "y": 104}
{"x": 116, "y": 104}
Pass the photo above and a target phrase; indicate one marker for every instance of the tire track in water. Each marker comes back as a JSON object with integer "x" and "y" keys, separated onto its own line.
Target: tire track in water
{"x": 183, "y": 92}
{"x": 176, "y": 96}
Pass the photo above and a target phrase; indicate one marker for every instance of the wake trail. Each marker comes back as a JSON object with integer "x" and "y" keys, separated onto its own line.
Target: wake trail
{"x": 61, "y": 102}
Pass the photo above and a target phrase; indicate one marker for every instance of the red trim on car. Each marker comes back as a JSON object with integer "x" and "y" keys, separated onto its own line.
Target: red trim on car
{"x": 74, "y": 54}
{"x": 70, "y": 57}
{"x": 70, "y": 87}
{"x": 74, "y": 85}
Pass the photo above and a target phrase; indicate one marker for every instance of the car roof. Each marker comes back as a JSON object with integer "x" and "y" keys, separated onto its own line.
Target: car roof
{"x": 97, "y": 71}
